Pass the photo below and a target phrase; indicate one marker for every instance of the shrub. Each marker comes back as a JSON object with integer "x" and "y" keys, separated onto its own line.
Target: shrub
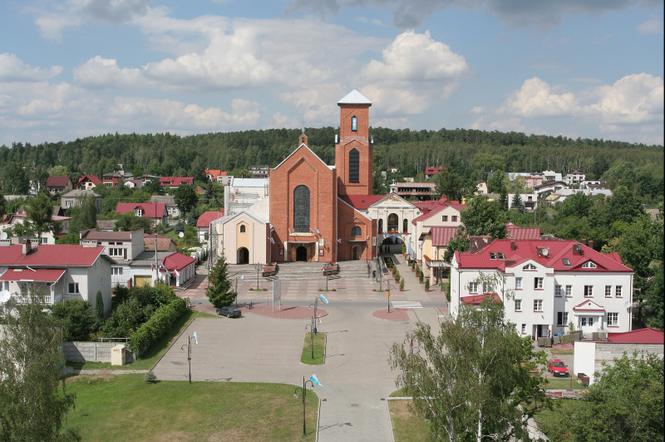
{"x": 157, "y": 326}
{"x": 401, "y": 284}
{"x": 427, "y": 284}
{"x": 77, "y": 319}
{"x": 150, "y": 377}
{"x": 99, "y": 304}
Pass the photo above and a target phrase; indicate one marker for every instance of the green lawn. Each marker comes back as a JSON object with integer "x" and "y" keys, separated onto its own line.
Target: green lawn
{"x": 563, "y": 384}
{"x": 153, "y": 355}
{"x": 408, "y": 426}
{"x": 554, "y": 423}
{"x": 319, "y": 349}
{"x": 124, "y": 408}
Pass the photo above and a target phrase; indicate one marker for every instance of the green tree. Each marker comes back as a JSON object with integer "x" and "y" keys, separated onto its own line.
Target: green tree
{"x": 99, "y": 305}
{"x": 460, "y": 242}
{"x": 472, "y": 381}
{"x": 626, "y": 403}
{"x": 14, "y": 179}
{"x": 32, "y": 406}
{"x": 577, "y": 205}
{"x": 219, "y": 290}
{"x": 623, "y": 205}
{"x": 39, "y": 213}
{"x": 58, "y": 170}
{"x": 88, "y": 214}
{"x": 129, "y": 221}
{"x": 484, "y": 217}
{"x": 77, "y": 319}
{"x": 496, "y": 183}
{"x": 185, "y": 198}
{"x": 517, "y": 203}
{"x": 3, "y": 206}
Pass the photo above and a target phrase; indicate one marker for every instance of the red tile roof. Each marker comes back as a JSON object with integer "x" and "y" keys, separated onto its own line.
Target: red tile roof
{"x": 207, "y": 217}
{"x": 38, "y": 275}
{"x": 177, "y": 261}
{"x": 640, "y": 336}
{"x": 433, "y": 170}
{"x": 50, "y": 255}
{"x": 92, "y": 178}
{"x": 57, "y": 181}
{"x": 431, "y": 208}
{"x": 441, "y": 236}
{"x": 175, "y": 181}
{"x": 215, "y": 172}
{"x": 150, "y": 210}
{"x": 478, "y": 299}
{"x": 361, "y": 202}
{"x": 518, "y": 232}
{"x": 546, "y": 252}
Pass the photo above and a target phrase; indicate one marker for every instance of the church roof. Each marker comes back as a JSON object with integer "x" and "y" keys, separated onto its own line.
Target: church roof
{"x": 355, "y": 97}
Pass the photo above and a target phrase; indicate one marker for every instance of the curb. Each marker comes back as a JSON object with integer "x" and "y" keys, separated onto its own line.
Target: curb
{"x": 174, "y": 340}
{"x": 318, "y": 420}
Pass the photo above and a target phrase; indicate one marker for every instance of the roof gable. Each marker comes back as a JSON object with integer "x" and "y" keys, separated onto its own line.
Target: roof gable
{"x": 305, "y": 147}
{"x": 394, "y": 198}
{"x": 588, "y": 306}
{"x": 354, "y": 97}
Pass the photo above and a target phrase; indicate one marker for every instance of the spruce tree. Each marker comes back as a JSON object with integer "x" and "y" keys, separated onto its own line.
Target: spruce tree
{"x": 219, "y": 290}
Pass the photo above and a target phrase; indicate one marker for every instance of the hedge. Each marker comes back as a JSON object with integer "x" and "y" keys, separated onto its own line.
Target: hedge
{"x": 157, "y": 326}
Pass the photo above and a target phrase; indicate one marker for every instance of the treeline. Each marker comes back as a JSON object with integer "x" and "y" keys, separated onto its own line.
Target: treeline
{"x": 410, "y": 151}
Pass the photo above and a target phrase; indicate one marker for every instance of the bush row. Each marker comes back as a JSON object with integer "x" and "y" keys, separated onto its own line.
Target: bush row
{"x": 157, "y": 326}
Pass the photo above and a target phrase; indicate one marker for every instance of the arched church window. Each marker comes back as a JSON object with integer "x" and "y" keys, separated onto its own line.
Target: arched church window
{"x": 242, "y": 228}
{"x": 355, "y": 231}
{"x": 354, "y": 123}
{"x": 354, "y": 166}
{"x": 301, "y": 209}
{"x": 380, "y": 226}
{"x": 405, "y": 225}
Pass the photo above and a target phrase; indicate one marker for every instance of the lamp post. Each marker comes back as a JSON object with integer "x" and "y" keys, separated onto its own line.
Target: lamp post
{"x": 304, "y": 392}
{"x": 189, "y": 352}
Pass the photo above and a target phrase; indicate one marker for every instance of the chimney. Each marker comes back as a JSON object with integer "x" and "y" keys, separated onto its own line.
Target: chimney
{"x": 513, "y": 245}
{"x": 26, "y": 247}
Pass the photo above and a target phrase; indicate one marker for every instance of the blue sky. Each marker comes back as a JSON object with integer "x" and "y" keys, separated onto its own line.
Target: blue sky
{"x": 74, "y": 68}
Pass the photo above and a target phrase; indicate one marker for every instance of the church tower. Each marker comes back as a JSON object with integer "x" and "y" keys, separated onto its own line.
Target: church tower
{"x": 353, "y": 151}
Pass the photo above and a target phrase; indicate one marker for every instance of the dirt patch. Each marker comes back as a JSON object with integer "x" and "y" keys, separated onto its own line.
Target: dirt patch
{"x": 396, "y": 314}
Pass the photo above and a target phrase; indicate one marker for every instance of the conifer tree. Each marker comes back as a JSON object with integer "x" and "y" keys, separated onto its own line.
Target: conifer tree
{"x": 219, "y": 290}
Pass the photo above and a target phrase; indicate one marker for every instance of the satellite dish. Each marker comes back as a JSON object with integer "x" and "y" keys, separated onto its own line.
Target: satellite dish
{"x": 181, "y": 234}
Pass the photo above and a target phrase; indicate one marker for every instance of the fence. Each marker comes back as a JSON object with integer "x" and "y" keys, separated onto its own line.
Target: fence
{"x": 90, "y": 351}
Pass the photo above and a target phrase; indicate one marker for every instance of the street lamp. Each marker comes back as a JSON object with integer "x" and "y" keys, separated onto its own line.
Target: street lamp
{"x": 195, "y": 337}
{"x": 312, "y": 381}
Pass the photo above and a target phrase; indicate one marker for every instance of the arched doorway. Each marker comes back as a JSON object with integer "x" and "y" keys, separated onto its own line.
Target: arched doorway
{"x": 393, "y": 223}
{"x": 301, "y": 253}
{"x": 391, "y": 245}
{"x": 243, "y": 255}
{"x": 356, "y": 252}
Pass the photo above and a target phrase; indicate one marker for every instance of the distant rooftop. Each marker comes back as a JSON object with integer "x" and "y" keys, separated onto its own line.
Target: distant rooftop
{"x": 355, "y": 97}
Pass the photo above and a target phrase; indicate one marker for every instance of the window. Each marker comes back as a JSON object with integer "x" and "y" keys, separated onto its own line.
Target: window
{"x": 612, "y": 319}
{"x": 518, "y": 305}
{"x": 116, "y": 270}
{"x": 587, "y": 320}
{"x": 569, "y": 291}
{"x": 473, "y": 287}
{"x": 617, "y": 291}
{"x": 453, "y": 218}
{"x": 354, "y": 166}
{"x": 589, "y": 265}
{"x": 523, "y": 329}
{"x": 117, "y": 252}
{"x": 566, "y": 262}
{"x": 537, "y": 305}
{"x": 5, "y": 285}
{"x": 518, "y": 283}
{"x": 354, "y": 123}
{"x": 561, "y": 318}
{"x": 356, "y": 231}
{"x": 405, "y": 225}
{"x": 538, "y": 283}
{"x": 608, "y": 291}
{"x": 243, "y": 229}
{"x": 444, "y": 218}
{"x": 380, "y": 226}
{"x": 301, "y": 209}
{"x": 73, "y": 288}
{"x": 558, "y": 292}
{"x": 529, "y": 267}
{"x": 588, "y": 291}
{"x": 138, "y": 212}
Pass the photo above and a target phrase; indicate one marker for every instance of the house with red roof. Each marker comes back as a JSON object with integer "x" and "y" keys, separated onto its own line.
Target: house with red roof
{"x": 58, "y": 184}
{"x": 590, "y": 357}
{"x": 88, "y": 182}
{"x": 173, "y": 182}
{"x": 57, "y": 273}
{"x": 217, "y": 176}
{"x": 432, "y": 170}
{"x": 203, "y": 223}
{"x": 547, "y": 287}
{"x": 155, "y": 212}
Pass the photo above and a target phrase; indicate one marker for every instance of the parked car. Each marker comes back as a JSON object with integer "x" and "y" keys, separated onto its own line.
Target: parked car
{"x": 229, "y": 312}
{"x": 557, "y": 368}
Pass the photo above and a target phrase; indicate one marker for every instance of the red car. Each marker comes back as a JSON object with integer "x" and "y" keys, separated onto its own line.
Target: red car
{"x": 557, "y": 367}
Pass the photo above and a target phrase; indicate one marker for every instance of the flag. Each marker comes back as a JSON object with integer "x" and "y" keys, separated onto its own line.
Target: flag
{"x": 315, "y": 381}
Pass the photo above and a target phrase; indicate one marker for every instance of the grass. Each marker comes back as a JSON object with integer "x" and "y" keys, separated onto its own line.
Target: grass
{"x": 554, "y": 423}
{"x": 408, "y": 426}
{"x": 563, "y": 384}
{"x": 122, "y": 408}
{"x": 319, "y": 349}
{"x": 154, "y": 354}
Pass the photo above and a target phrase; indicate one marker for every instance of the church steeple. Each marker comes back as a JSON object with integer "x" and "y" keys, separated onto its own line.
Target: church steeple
{"x": 353, "y": 151}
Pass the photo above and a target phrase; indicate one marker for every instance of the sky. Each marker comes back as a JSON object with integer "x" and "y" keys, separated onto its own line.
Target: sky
{"x": 74, "y": 68}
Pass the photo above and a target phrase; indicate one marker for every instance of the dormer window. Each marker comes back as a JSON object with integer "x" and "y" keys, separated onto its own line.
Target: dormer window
{"x": 354, "y": 123}
{"x": 529, "y": 267}
{"x": 566, "y": 262}
{"x": 138, "y": 212}
{"x": 589, "y": 265}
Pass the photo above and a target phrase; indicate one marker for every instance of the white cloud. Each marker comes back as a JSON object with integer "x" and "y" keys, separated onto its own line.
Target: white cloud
{"x": 13, "y": 68}
{"x": 654, "y": 25}
{"x": 416, "y": 57}
{"x": 633, "y": 99}
{"x": 104, "y": 72}
{"x": 535, "y": 98}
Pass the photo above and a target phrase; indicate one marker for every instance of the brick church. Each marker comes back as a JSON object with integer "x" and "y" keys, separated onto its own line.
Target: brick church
{"x": 311, "y": 211}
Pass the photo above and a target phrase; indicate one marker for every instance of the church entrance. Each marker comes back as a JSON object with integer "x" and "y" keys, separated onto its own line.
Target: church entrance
{"x": 301, "y": 253}
{"x": 356, "y": 252}
{"x": 243, "y": 255}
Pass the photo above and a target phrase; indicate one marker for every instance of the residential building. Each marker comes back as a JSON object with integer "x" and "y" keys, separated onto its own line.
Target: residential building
{"x": 75, "y": 198}
{"x": 160, "y": 243}
{"x": 421, "y": 191}
{"x": 481, "y": 188}
{"x": 58, "y": 272}
{"x": 169, "y": 202}
{"x": 88, "y": 182}
{"x": 431, "y": 171}
{"x": 259, "y": 171}
{"x": 134, "y": 183}
{"x": 561, "y": 195}
{"x": 173, "y": 182}
{"x": 56, "y": 185}
{"x": 155, "y": 212}
{"x": 61, "y": 224}
{"x": 591, "y": 357}
{"x": 529, "y": 200}
{"x": 574, "y": 178}
{"x": 549, "y": 187}
{"x": 217, "y": 176}
{"x": 440, "y": 213}
{"x": 547, "y": 285}
{"x": 203, "y": 223}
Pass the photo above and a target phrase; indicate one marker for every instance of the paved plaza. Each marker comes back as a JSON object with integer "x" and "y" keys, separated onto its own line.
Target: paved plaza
{"x": 356, "y": 376}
